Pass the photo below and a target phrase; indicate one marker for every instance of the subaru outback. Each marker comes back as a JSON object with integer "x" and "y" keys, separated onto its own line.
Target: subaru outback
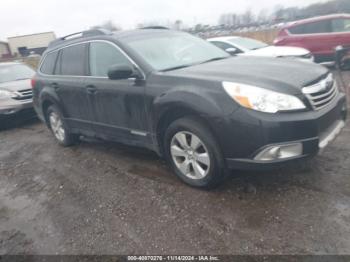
{"x": 202, "y": 110}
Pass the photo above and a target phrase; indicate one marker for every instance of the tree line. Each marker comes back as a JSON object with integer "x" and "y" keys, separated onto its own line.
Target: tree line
{"x": 283, "y": 14}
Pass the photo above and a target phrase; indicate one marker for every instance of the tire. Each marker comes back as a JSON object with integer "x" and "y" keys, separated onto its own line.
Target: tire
{"x": 203, "y": 155}
{"x": 60, "y": 130}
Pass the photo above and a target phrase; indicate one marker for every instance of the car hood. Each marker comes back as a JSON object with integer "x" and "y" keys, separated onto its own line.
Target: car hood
{"x": 16, "y": 85}
{"x": 278, "y": 51}
{"x": 287, "y": 76}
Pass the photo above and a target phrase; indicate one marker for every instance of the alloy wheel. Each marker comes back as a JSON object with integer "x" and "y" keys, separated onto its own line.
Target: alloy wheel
{"x": 190, "y": 155}
{"x": 57, "y": 126}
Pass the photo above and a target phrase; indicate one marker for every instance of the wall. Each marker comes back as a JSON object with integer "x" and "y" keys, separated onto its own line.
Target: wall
{"x": 4, "y": 51}
{"x": 30, "y": 41}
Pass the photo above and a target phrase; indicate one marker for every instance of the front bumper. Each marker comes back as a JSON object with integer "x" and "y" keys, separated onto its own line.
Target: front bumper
{"x": 252, "y": 132}
{"x": 11, "y": 106}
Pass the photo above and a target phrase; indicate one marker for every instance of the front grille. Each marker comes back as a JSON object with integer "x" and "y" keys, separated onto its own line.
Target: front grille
{"x": 322, "y": 93}
{"x": 24, "y": 94}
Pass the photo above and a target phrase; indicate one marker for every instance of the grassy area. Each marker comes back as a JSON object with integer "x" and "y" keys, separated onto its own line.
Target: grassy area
{"x": 266, "y": 36}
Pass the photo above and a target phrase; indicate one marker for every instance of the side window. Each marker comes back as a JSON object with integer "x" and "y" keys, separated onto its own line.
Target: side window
{"x": 222, "y": 45}
{"x": 312, "y": 28}
{"x": 297, "y": 30}
{"x": 318, "y": 27}
{"x": 341, "y": 25}
{"x": 102, "y": 56}
{"x": 58, "y": 64}
{"x": 48, "y": 65}
{"x": 72, "y": 60}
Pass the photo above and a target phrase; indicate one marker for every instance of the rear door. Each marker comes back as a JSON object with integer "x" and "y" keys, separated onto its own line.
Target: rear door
{"x": 118, "y": 104}
{"x": 341, "y": 32}
{"x": 71, "y": 71}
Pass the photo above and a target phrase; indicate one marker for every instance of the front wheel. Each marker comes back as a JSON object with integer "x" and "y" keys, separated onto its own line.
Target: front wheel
{"x": 193, "y": 153}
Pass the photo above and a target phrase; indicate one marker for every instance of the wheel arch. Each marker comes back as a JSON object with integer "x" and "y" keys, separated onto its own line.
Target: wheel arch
{"x": 172, "y": 113}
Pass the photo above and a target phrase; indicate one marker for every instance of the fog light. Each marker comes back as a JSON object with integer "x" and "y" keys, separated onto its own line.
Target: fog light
{"x": 280, "y": 152}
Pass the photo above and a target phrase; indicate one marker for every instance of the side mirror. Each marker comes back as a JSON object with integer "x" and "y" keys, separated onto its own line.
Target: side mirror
{"x": 118, "y": 72}
{"x": 232, "y": 50}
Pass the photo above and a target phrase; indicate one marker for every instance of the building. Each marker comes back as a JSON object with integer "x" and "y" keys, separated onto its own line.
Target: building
{"x": 26, "y": 44}
{"x": 4, "y": 50}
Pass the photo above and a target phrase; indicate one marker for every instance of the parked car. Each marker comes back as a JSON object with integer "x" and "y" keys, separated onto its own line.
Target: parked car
{"x": 204, "y": 111}
{"x": 321, "y": 35}
{"x": 15, "y": 88}
{"x": 235, "y": 45}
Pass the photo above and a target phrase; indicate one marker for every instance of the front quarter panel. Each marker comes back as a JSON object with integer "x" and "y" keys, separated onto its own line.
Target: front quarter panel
{"x": 205, "y": 98}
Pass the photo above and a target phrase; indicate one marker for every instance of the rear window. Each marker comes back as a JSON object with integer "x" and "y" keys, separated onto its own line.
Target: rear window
{"x": 48, "y": 65}
{"x": 72, "y": 60}
{"x": 312, "y": 28}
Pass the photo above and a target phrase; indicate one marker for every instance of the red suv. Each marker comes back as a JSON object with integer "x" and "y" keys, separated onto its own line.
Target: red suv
{"x": 320, "y": 35}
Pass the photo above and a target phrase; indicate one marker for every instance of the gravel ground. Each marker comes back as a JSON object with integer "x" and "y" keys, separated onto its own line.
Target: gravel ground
{"x": 105, "y": 198}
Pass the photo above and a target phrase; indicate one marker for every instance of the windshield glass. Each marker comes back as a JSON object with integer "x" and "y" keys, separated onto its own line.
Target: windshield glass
{"x": 15, "y": 72}
{"x": 247, "y": 43}
{"x": 172, "y": 51}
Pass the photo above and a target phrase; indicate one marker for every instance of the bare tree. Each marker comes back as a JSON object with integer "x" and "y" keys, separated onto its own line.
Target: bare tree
{"x": 178, "y": 25}
{"x": 247, "y": 17}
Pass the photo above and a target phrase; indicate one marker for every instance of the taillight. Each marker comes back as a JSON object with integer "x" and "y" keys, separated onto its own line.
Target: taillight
{"x": 33, "y": 82}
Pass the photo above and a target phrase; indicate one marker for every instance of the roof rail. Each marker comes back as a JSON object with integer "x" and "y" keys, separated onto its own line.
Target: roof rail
{"x": 155, "y": 27}
{"x": 87, "y": 33}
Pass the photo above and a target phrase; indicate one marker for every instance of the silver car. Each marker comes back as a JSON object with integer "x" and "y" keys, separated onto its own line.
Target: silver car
{"x": 15, "y": 88}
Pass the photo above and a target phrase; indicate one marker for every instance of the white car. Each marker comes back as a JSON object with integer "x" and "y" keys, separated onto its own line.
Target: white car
{"x": 236, "y": 45}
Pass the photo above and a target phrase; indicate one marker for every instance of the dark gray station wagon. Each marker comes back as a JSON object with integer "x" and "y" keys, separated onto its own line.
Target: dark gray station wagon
{"x": 204, "y": 111}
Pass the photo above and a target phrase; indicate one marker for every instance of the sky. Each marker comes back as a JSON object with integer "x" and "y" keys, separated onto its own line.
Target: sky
{"x": 20, "y": 17}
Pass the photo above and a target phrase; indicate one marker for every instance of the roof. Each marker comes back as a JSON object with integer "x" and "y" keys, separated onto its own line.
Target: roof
{"x": 142, "y": 33}
{"x": 315, "y": 19}
{"x": 94, "y": 34}
{"x": 50, "y": 32}
{"x": 223, "y": 38}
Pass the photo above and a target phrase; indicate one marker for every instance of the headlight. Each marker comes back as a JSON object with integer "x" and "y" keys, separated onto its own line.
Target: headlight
{"x": 5, "y": 94}
{"x": 260, "y": 99}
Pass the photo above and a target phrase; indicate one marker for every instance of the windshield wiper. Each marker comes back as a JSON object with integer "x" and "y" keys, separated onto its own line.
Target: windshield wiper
{"x": 188, "y": 65}
{"x": 214, "y": 59}
{"x": 257, "y": 48}
{"x": 175, "y": 67}
{"x": 19, "y": 79}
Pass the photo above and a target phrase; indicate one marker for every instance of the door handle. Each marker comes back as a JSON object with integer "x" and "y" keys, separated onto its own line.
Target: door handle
{"x": 91, "y": 89}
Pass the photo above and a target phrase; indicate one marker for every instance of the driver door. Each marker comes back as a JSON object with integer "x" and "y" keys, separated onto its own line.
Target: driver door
{"x": 119, "y": 109}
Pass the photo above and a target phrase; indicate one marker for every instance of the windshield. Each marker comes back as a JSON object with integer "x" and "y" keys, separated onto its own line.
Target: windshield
{"x": 173, "y": 51}
{"x": 247, "y": 43}
{"x": 10, "y": 73}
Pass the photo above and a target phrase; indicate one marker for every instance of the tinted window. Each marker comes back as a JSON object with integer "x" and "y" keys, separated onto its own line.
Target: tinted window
{"x": 72, "y": 60}
{"x": 103, "y": 56}
{"x": 297, "y": 30}
{"x": 49, "y": 63}
{"x": 341, "y": 25}
{"x": 312, "y": 28}
{"x": 58, "y": 64}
